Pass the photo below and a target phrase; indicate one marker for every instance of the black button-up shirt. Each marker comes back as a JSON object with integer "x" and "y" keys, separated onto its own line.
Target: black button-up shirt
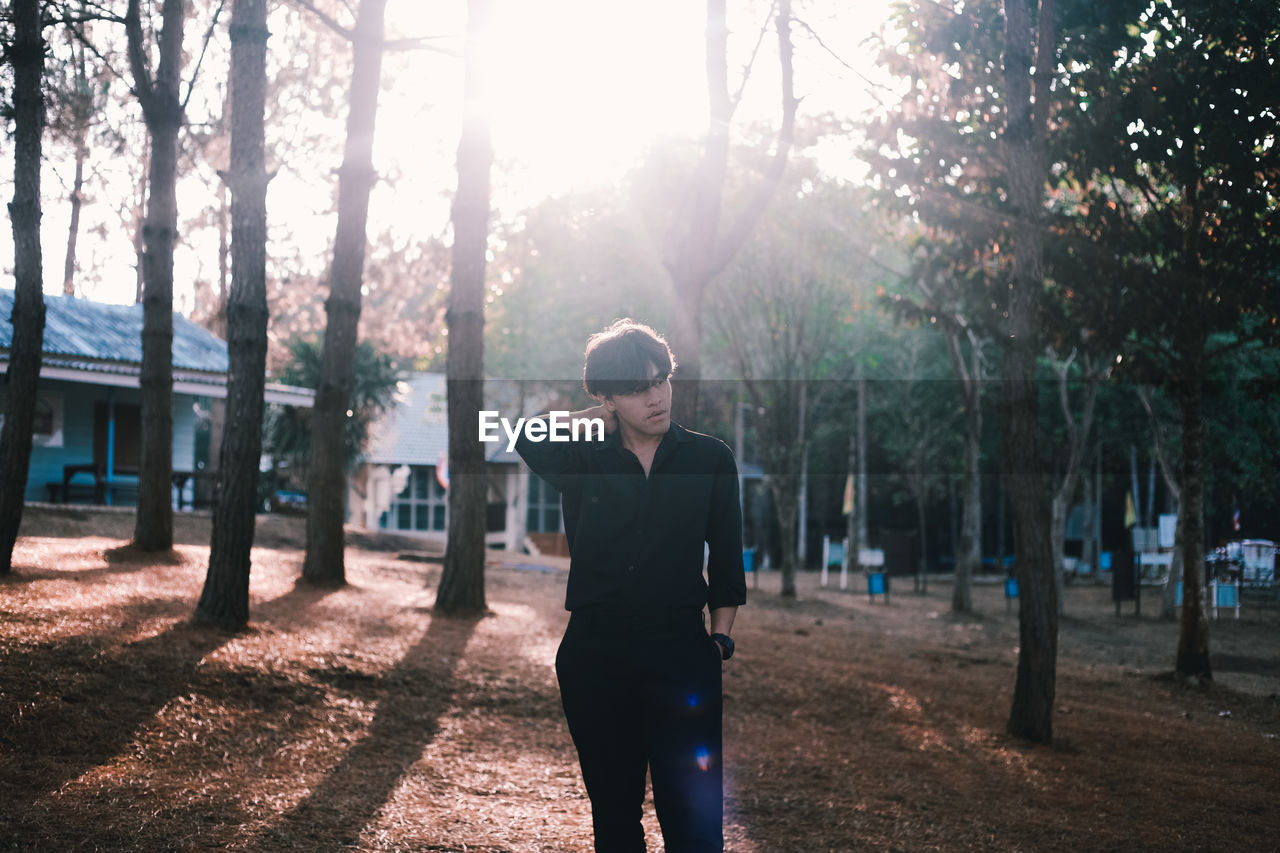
{"x": 636, "y": 542}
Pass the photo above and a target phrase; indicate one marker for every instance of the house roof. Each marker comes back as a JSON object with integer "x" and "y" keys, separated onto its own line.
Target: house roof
{"x": 415, "y": 429}
{"x": 95, "y": 342}
{"x": 82, "y": 329}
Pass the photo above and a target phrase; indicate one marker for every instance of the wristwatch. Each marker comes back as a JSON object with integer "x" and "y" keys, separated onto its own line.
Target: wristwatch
{"x": 725, "y": 642}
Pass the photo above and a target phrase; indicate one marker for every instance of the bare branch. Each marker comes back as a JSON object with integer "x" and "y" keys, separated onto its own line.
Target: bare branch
{"x": 746, "y": 69}
{"x": 1157, "y": 443}
{"x": 737, "y": 235}
{"x": 422, "y": 43}
{"x": 142, "y": 84}
{"x": 195, "y": 72}
{"x": 72, "y": 20}
{"x": 1062, "y": 368}
{"x": 84, "y": 42}
{"x": 871, "y": 84}
{"x": 345, "y": 32}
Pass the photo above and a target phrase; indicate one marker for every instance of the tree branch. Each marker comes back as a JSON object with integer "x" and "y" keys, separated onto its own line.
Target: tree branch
{"x": 871, "y": 84}
{"x": 742, "y": 226}
{"x": 84, "y": 42}
{"x": 1157, "y": 444}
{"x": 421, "y": 43}
{"x": 746, "y": 69}
{"x": 195, "y": 71}
{"x": 142, "y": 83}
{"x": 331, "y": 23}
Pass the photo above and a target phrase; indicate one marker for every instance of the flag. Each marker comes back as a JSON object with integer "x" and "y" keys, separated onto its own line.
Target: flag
{"x": 847, "y": 506}
{"x": 1130, "y": 517}
{"x": 1235, "y": 515}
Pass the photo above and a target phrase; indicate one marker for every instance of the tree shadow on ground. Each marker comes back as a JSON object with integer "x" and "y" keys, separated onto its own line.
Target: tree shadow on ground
{"x": 417, "y": 693}
{"x": 60, "y": 727}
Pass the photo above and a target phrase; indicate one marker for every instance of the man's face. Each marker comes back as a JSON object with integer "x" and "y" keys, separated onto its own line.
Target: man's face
{"x": 646, "y": 411}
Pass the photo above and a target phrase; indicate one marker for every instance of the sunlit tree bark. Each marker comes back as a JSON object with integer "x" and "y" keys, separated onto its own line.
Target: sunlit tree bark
{"x": 461, "y": 589}
{"x": 1025, "y": 148}
{"x": 26, "y": 55}
{"x": 702, "y": 250}
{"x": 327, "y": 473}
{"x": 159, "y": 97}
{"x": 225, "y": 599}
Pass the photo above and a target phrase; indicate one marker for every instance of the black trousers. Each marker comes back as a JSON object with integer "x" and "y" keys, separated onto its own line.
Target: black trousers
{"x": 642, "y": 692}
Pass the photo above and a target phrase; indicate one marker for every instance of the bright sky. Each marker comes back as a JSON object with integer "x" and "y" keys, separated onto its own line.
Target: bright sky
{"x": 578, "y": 89}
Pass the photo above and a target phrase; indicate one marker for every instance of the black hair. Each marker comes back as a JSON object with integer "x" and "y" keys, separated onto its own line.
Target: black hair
{"x": 618, "y": 359}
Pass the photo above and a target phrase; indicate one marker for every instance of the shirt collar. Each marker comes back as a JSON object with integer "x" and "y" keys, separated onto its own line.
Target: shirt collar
{"x": 613, "y": 441}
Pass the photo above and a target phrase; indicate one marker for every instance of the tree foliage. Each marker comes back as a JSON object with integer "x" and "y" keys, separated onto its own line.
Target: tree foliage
{"x": 782, "y": 318}
{"x": 286, "y": 429}
{"x": 1175, "y": 157}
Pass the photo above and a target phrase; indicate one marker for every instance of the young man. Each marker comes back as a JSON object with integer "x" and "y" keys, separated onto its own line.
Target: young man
{"x": 639, "y": 672}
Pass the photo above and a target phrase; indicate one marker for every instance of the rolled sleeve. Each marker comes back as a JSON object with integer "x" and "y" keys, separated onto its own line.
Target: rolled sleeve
{"x": 726, "y": 576}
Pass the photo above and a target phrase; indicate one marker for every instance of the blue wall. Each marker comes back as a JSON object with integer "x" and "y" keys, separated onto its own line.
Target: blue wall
{"x": 77, "y": 433}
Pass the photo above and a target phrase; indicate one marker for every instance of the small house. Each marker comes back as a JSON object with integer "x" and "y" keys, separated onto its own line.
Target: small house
{"x": 87, "y": 441}
{"x": 402, "y": 484}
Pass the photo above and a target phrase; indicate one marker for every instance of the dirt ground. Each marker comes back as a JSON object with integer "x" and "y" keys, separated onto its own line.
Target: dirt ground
{"x": 353, "y": 719}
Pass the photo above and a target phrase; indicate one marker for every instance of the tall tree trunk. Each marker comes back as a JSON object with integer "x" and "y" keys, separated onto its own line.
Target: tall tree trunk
{"x": 225, "y": 599}
{"x": 702, "y": 251}
{"x": 26, "y": 55}
{"x": 969, "y": 549}
{"x": 690, "y": 266}
{"x": 219, "y": 323}
{"x": 1169, "y": 601}
{"x": 1031, "y": 716}
{"x": 1077, "y": 441}
{"x": 1058, "y": 510}
{"x": 162, "y": 111}
{"x": 461, "y": 589}
{"x": 140, "y": 221}
{"x": 860, "y": 481}
{"x": 77, "y": 199}
{"x": 327, "y": 471}
{"x": 969, "y": 558}
{"x": 851, "y": 524}
{"x": 783, "y": 488}
{"x": 922, "y": 524}
{"x": 1193, "y": 636}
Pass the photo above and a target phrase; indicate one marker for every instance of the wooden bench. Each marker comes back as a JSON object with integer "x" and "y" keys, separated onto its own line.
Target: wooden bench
{"x": 95, "y": 493}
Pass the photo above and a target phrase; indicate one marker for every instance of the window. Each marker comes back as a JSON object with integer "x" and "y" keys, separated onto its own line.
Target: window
{"x": 421, "y": 505}
{"x": 543, "y": 515}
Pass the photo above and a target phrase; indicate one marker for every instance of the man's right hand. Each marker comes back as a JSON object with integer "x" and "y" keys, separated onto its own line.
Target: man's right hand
{"x": 609, "y": 418}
